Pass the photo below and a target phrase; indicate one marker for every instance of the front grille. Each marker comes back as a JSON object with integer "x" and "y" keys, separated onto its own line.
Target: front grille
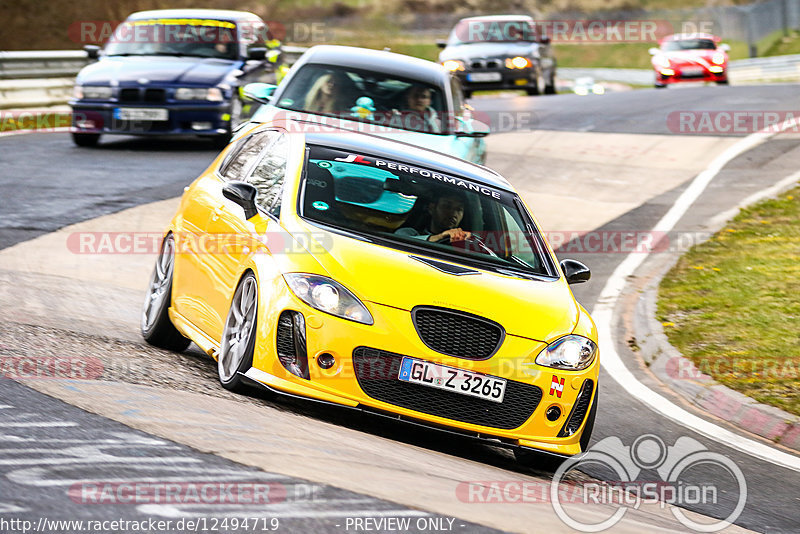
{"x": 377, "y": 372}
{"x": 579, "y": 410}
{"x": 478, "y": 64}
{"x": 129, "y": 95}
{"x": 456, "y": 333}
{"x": 155, "y": 95}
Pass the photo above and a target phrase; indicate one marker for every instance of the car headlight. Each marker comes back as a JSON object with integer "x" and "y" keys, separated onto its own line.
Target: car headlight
{"x": 453, "y": 65}
{"x": 212, "y": 94}
{"x": 518, "y": 62}
{"x": 92, "y": 92}
{"x": 329, "y": 296}
{"x": 661, "y": 61}
{"x": 571, "y": 353}
{"x": 718, "y": 58}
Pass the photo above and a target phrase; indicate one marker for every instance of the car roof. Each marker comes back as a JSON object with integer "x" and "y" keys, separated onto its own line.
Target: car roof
{"x": 377, "y": 61}
{"x": 499, "y": 18}
{"x": 682, "y": 36}
{"x": 213, "y": 14}
{"x": 364, "y": 143}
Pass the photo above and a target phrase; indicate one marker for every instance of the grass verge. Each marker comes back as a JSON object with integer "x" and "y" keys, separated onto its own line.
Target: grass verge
{"x": 732, "y": 304}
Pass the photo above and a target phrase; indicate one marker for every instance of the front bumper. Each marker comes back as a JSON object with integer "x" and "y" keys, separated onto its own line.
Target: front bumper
{"x": 680, "y": 75}
{"x": 529, "y": 391}
{"x": 493, "y": 79}
{"x": 182, "y": 119}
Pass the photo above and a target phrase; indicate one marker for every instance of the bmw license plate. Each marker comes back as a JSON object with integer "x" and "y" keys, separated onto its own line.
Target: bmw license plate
{"x": 484, "y": 77}
{"x": 449, "y": 378}
{"x": 141, "y": 114}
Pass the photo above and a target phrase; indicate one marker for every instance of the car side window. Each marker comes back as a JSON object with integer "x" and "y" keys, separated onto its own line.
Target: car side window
{"x": 269, "y": 173}
{"x": 238, "y": 166}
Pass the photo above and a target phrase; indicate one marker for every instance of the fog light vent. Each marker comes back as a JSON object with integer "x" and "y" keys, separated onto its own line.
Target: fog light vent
{"x": 291, "y": 343}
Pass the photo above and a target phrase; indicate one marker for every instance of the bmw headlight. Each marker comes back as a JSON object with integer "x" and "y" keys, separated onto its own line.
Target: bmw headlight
{"x": 570, "y": 353}
{"x": 329, "y": 296}
{"x": 518, "y": 62}
{"x": 92, "y": 92}
{"x": 212, "y": 94}
{"x": 453, "y": 65}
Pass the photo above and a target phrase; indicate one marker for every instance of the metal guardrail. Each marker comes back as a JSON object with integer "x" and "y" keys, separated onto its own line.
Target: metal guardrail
{"x": 45, "y": 78}
{"x": 774, "y": 68}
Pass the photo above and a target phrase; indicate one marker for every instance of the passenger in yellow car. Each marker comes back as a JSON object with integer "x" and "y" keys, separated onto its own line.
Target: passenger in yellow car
{"x": 446, "y": 214}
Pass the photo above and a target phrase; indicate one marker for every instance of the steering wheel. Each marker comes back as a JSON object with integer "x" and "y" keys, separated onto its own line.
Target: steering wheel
{"x": 473, "y": 242}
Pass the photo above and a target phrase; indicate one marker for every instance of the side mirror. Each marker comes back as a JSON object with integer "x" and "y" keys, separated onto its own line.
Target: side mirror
{"x": 471, "y": 128}
{"x": 441, "y": 43}
{"x": 575, "y": 272}
{"x": 259, "y": 92}
{"x": 92, "y": 51}
{"x": 257, "y": 53}
{"x": 243, "y": 194}
{"x": 653, "y": 51}
{"x": 724, "y": 47}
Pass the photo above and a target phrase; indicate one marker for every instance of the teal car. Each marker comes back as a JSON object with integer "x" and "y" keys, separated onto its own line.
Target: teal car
{"x": 391, "y": 95}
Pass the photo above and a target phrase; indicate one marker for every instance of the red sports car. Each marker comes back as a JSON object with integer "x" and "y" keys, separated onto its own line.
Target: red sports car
{"x": 690, "y": 57}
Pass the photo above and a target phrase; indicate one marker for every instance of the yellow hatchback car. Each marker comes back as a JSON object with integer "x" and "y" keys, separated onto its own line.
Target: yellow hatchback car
{"x": 369, "y": 273}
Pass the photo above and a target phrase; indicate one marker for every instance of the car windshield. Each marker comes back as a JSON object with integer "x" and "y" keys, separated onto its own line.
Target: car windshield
{"x": 492, "y": 31}
{"x": 421, "y": 210}
{"x": 366, "y": 96}
{"x": 689, "y": 44}
{"x": 167, "y": 37}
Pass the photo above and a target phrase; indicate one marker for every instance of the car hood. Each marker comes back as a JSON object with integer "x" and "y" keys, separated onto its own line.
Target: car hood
{"x": 532, "y": 309}
{"x": 445, "y": 143}
{"x": 488, "y": 50}
{"x": 126, "y": 70}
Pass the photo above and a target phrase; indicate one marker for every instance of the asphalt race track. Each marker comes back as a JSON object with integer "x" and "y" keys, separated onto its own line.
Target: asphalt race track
{"x": 51, "y": 450}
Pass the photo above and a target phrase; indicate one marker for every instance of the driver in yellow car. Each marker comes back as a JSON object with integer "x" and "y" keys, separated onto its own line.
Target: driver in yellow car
{"x": 446, "y": 215}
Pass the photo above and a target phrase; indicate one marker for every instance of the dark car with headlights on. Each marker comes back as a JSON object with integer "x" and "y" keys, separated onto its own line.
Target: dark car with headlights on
{"x": 167, "y": 72}
{"x": 500, "y": 52}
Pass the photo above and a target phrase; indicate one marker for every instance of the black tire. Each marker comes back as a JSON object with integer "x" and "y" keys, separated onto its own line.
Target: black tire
{"x": 230, "y": 361}
{"x": 84, "y": 139}
{"x": 532, "y": 91}
{"x": 722, "y": 82}
{"x": 660, "y": 86}
{"x": 221, "y": 141}
{"x": 467, "y": 94}
{"x": 550, "y": 87}
{"x": 156, "y": 327}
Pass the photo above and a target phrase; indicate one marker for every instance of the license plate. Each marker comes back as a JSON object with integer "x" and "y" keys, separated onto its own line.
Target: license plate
{"x": 692, "y": 71}
{"x": 449, "y": 378}
{"x": 141, "y": 114}
{"x": 484, "y": 77}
